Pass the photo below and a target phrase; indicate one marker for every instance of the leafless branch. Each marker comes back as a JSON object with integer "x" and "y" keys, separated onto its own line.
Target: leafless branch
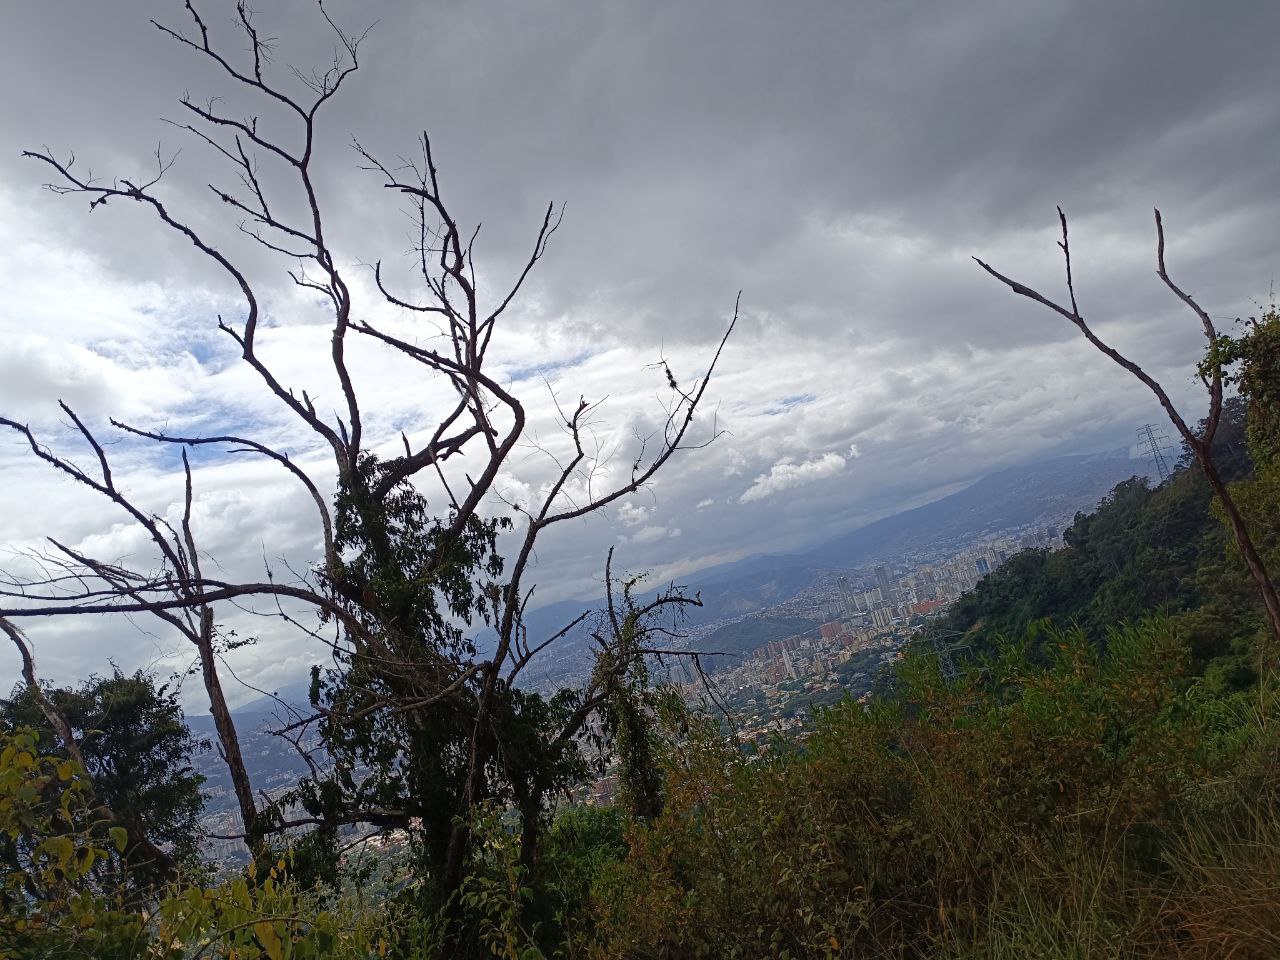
{"x": 1199, "y": 443}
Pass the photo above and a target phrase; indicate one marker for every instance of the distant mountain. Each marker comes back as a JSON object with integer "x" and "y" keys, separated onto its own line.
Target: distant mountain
{"x": 272, "y": 761}
{"x": 724, "y": 572}
{"x": 296, "y": 694}
{"x": 1009, "y": 498}
{"x": 767, "y": 582}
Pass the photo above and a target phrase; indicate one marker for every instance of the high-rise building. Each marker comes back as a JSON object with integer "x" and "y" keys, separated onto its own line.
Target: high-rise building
{"x": 848, "y": 597}
{"x": 789, "y": 664}
{"x": 882, "y": 581}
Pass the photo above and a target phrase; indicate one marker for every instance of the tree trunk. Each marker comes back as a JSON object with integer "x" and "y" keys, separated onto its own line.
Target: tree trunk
{"x": 530, "y": 831}
{"x": 460, "y": 838}
{"x": 228, "y": 740}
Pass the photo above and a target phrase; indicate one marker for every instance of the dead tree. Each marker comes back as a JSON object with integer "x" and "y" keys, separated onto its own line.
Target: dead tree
{"x": 1199, "y": 442}
{"x": 629, "y": 637}
{"x": 367, "y": 631}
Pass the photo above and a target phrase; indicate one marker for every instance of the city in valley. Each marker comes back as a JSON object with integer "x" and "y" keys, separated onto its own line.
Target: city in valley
{"x": 846, "y": 626}
{"x": 862, "y": 619}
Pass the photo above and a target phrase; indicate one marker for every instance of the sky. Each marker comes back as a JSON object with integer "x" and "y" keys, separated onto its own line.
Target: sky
{"x": 838, "y": 163}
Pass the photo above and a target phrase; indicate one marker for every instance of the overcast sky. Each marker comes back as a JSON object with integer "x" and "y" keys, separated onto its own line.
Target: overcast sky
{"x": 839, "y": 163}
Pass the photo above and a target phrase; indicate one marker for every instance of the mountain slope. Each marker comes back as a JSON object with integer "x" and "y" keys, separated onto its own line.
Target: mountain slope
{"x": 1009, "y": 498}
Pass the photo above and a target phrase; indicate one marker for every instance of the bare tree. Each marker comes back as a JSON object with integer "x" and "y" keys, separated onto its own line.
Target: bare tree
{"x": 1198, "y": 441}
{"x": 387, "y": 616}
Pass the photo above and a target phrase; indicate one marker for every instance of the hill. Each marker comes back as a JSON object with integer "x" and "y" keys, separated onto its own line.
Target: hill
{"x": 742, "y": 637}
{"x": 1144, "y": 550}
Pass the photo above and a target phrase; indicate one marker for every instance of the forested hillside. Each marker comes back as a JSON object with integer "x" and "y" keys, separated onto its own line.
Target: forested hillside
{"x": 1146, "y": 550}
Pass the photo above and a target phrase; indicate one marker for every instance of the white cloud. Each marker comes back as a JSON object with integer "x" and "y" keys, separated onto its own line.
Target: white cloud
{"x": 631, "y": 515}
{"x": 786, "y": 474}
{"x": 652, "y": 534}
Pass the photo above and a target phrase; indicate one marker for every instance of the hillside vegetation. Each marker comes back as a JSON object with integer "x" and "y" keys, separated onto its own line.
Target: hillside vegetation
{"x": 1145, "y": 550}
{"x": 1101, "y": 780}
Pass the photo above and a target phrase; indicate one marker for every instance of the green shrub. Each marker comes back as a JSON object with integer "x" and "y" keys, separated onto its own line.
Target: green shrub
{"x": 1033, "y": 808}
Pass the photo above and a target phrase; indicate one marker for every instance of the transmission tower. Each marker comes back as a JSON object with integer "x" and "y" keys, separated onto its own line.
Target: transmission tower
{"x": 1156, "y": 442}
{"x": 945, "y": 654}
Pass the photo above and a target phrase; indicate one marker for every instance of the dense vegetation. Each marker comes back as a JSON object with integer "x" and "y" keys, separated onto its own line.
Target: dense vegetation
{"x": 1144, "y": 550}
{"x": 136, "y": 752}
{"x": 1098, "y": 806}
{"x": 1074, "y": 804}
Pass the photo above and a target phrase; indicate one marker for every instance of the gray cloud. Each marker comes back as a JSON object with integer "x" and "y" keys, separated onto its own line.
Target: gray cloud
{"x": 838, "y": 162}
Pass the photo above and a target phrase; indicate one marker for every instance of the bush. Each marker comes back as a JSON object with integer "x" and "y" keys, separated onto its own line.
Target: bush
{"x": 57, "y": 906}
{"x": 1033, "y": 808}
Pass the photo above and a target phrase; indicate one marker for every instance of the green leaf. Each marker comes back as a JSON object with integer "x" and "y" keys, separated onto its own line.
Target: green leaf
{"x": 269, "y": 938}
